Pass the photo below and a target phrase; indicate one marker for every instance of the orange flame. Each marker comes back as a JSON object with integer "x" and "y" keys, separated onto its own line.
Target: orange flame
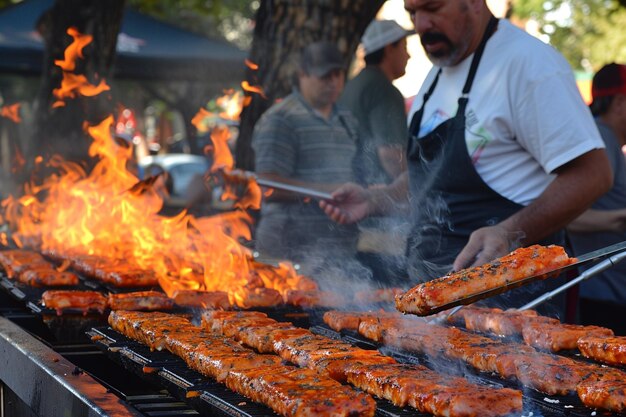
{"x": 251, "y": 65}
{"x": 74, "y": 51}
{"x": 230, "y": 105}
{"x": 222, "y": 157}
{"x": 198, "y": 120}
{"x": 11, "y": 112}
{"x": 242, "y": 189}
{"x": 108, "y": 213}
{"x": 73, "y": 84}
{"x": 253, "y": 89}
{"x": 95, "y": 214}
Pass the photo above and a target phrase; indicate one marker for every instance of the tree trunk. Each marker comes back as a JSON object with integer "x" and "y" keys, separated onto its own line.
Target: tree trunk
{"x": 60, "y": 130}
{"x": 283, "y": 28}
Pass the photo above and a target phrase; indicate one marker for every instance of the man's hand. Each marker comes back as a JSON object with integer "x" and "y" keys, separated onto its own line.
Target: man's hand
{"x": 350, "y": 204}
{"x": 486, "y": 244}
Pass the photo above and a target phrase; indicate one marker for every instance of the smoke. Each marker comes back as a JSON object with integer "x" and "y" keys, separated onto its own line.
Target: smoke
{"x": 342, "y": 274}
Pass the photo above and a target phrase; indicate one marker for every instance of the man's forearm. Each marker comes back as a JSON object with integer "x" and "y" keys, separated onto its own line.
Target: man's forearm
{"x": 599, "y": 221}
{"x": 388, "y": 198}
{"x": 577, "y": 185}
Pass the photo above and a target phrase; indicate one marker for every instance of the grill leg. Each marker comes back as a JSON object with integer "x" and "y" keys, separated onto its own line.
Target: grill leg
{"x": 12, "y": 405}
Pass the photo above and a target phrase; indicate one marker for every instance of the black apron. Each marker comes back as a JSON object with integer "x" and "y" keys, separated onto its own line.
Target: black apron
{"x": 449, "y": 199}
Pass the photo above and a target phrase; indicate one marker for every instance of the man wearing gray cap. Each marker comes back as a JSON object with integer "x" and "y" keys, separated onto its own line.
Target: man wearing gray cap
{"x": 378, "y": 105}
{"x": 306, "y": 140}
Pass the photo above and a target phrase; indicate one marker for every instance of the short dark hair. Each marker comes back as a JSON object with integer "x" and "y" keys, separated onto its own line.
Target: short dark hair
{"x": 609, "y": 81}
{"x": 601, "y": 105}
{"x": 376, "y": 57}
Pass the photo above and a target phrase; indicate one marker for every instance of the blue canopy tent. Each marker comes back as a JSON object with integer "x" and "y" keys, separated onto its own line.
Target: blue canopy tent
{"x": 146, "y": 48}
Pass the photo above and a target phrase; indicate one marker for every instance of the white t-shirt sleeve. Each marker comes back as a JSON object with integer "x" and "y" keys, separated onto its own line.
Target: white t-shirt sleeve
{"x": 553, "y": 122}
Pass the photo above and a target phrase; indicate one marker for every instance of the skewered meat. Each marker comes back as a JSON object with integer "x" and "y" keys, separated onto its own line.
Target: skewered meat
{"x": 150, "y": 329}
{"x": 117, "y": 275}
{"x": 260, "y": 338}
{"x": 61, "y": 300}
{"x": 374, "y": 328}
{"x": 344, "y": 320}
{"x": 556, "y": 336}
{"x": 611, "y": 350}
{"x": 287, "y": 390}
{"x": 126, "y": 277}
{"x": 315, "y": 394}
{"x": 381, "y": 295}
{"x": 496, "y": 321}
{"x": 441, "y": 395}
{"x": 604, "y": 389}
{"x": 85, "y": 264}
{"x": 213, "y": 320}
{"x": 17, "y": 260}
{"x": 519, "y": 264}
{"x": 47, "y": 276}
{"x": 537, "y": 331}
{"x": 213, "y": 300}
{"x": 218, "y": 356}
{"x": 421, "y": 387}
{"x": 141, "y": 301}
{"x": 547, "y": 373}
{"x": 259, "y": 297}
{"x": 314, "y": 298}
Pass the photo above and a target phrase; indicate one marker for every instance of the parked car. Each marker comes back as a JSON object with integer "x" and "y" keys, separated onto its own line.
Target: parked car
{"x": 182, "y": 169}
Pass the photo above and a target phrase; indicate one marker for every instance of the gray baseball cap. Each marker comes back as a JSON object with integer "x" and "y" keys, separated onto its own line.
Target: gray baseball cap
{"x": 319, "y": 58}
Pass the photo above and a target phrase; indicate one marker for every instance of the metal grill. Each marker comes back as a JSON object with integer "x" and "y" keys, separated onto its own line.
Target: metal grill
{"x": 209, "y": 397}
{"x": 145, "y": 383}
{"x": 535, "y": 402}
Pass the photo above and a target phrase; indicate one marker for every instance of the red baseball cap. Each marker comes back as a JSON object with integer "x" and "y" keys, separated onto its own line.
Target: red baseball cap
{"x": 609, "y": 81}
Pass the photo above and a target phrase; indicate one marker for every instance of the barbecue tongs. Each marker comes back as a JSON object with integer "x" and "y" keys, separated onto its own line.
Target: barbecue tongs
{"x": 618, "y": 249}
{"x": 277, "y": 185}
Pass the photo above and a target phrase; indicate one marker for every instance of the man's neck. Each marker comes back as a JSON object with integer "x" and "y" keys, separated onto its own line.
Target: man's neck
{"x": 386, "y": 69}
{"x": 614, "y": 122}
{"x": 477, "y": 38}
{"x": 325, "y": 112}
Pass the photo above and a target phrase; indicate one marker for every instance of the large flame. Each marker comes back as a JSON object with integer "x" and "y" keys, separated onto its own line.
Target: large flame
{"x": 97, "y": 214}
{"x": 105, "y": 213}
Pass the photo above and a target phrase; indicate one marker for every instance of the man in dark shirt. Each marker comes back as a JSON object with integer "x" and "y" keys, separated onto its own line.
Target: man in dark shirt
{"x": 378, "y": 105}
{"x": 603, "y": 297}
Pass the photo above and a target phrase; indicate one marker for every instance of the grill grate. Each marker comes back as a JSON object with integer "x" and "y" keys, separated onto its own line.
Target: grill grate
{"x": 206, "y": 396}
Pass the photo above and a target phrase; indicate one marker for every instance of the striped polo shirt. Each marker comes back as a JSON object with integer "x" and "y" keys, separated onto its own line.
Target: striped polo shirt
{"x": 294, "y": 141}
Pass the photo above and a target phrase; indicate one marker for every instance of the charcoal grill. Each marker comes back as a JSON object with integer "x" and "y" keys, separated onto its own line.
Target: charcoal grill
{"x": 76, "y": 365}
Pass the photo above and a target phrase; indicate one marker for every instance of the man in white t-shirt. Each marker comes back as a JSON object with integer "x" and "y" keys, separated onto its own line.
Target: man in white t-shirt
{"x": 502, "y": 150}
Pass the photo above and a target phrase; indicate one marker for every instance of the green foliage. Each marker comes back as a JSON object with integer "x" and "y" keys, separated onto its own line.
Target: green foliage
{"x": 227, "y": 19}
{"x": 5, "y": 3}
{"x": 589, "y": 33}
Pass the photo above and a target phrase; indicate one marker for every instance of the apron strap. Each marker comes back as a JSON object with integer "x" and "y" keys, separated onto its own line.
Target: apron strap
{"x": 416, "y": 120}
{"x": 491, "y": 26}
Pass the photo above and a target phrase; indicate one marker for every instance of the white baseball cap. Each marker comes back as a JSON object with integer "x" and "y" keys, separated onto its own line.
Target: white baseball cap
{"x": 381, "y": 33}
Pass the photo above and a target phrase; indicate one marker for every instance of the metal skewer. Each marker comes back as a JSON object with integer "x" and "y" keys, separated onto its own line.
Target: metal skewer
{"x": 599, "y": 267}
{"x": 307, "y": 192}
